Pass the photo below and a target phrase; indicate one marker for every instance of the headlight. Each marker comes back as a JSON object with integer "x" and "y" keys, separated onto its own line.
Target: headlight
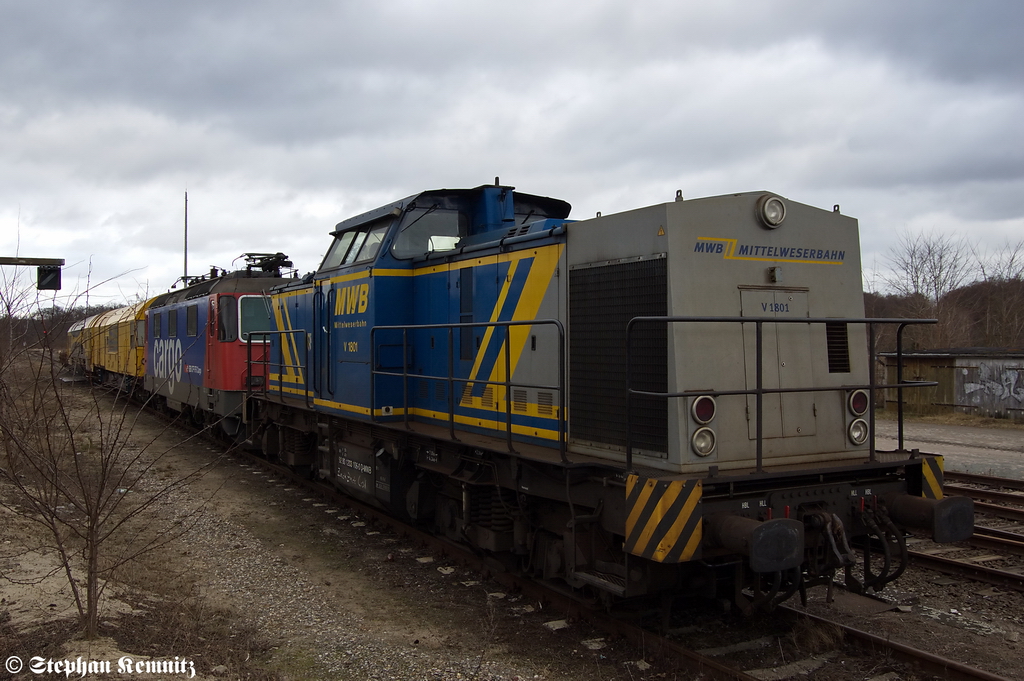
{"x": 703, "y": 442}
{"x": 771, "y": 210}
{"x": 858, "y": 431}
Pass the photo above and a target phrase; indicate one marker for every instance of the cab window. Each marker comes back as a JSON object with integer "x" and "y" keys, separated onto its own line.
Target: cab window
{"x": 339, "y": 249}
{"x": 254, "y": 315}
{"x": 192, "y": 320}
{"x": 357, "y": 243}
{"x": 429, "y": 230}
{"x": 360, "y": 244}
{"x": 227, "y": 319}
{"x": 371, "y": 244}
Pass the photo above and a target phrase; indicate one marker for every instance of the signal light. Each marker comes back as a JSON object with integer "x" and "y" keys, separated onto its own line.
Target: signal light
{"x": 48, "y": 278}
{"x": 858, "y": 402}
{"x": 703, "y": 442}
{"x": 858, "y": 431}
{"x": 703, "y": 409}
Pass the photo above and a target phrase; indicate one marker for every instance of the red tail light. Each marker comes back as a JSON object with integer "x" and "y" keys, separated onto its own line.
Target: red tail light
{"x": 858, "y": 402}
{"x": 703, "y": 409}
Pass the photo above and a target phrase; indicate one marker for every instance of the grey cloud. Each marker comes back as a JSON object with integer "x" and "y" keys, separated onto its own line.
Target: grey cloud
{"x": 109, "y": 110}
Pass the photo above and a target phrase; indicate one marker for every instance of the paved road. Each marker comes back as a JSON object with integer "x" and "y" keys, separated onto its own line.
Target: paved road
{"x": 989, "y": 451}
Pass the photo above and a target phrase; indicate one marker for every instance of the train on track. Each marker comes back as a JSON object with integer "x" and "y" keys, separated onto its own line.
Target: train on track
{"x": 672, "y": 400}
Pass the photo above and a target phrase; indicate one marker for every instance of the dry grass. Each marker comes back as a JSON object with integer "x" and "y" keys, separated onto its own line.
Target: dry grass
{"x": 811, "y": 638}
{"x": 190, "y": 625}
{"x": 47, "y": 642}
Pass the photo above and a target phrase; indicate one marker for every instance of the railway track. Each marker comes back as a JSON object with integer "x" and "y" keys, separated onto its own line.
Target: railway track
{"x": 683, "y": 646}
{"x": 768, "y": 651}
{"x": 986, "y": 480}
{"x": 995, "y": 554}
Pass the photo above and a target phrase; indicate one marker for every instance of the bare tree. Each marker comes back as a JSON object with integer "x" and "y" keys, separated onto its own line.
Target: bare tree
{"x": 929, "y": 265}
{"x": 70, "y": 464}
{"x": 925, "y": 268}
{"x": 1003, "y": 307}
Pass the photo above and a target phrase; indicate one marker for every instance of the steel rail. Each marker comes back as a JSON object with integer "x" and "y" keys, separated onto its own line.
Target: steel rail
{"x": 986, "y": 494}
{"x": 999, "y": 511}
{"x": 990, "y": 480}
{"x": 1006, "y": 535}
{"x": 997, "y": 540}
{"x": 948, "y": 670}
{"x": 981, "y": 573}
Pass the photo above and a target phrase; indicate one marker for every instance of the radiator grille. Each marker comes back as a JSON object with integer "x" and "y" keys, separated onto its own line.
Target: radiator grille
{"x": 838, "y": 340}
{"x": 602, "y": 300}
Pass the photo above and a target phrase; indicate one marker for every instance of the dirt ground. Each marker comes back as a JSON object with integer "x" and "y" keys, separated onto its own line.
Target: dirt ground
{"x": 270, "y": 583}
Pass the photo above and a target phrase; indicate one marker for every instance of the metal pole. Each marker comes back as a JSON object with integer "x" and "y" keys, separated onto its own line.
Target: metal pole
{"x": 405, "y": 379}
{"x": 899, "y": 382}
{"x": 305, "y": 360}
{"x": 451, "y": 383}
{"x": 373, "y": 372}
{"x": 508, "y": 390}
{"x": 562, "y": 421}
{"x": 629, "y": 399}
{"x": 184, "y": 275}
{"x": 759, "y": 397}
{"x": 871, "y": 393}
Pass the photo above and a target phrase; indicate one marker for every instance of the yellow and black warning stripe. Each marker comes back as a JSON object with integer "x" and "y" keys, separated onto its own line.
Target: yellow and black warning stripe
{"x": 663, "y": 521}
{"x": 931, "y": 477}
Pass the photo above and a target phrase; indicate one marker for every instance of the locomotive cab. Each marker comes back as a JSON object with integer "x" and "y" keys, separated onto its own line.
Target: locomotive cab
{"x": 207, "y": 342}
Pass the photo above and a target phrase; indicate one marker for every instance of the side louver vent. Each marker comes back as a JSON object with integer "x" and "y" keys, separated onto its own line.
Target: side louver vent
{"x": 838, "y": 340}
{"x": 602, "y": 300}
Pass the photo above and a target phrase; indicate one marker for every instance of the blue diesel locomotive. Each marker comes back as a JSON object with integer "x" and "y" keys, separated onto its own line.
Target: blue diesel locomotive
{"x": 674, "y": 399}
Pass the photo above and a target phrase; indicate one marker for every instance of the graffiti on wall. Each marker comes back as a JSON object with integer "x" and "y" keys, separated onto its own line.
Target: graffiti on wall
{"x": 993, "y": 386}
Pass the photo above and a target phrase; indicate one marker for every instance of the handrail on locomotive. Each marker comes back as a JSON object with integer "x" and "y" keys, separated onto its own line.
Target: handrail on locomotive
{"x": 451, "y": 379}
{"x": 760, "y": 390}
{"x": 267, "y": 364}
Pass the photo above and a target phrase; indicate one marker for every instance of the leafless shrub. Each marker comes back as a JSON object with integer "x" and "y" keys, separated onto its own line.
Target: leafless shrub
{"x": 69, "y": 463}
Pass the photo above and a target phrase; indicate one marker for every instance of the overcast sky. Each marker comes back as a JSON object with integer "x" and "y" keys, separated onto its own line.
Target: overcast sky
{"x": 281, "y": 119}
